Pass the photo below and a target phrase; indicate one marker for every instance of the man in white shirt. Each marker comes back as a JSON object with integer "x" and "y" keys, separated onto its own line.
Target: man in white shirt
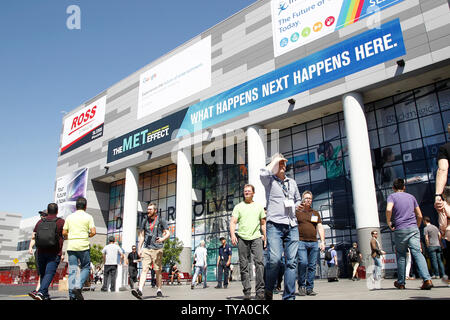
{"x": 112, "y": 257}
{"x": 200, "y": 256}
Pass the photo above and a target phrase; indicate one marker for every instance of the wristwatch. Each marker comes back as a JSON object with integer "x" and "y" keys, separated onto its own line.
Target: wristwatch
{"x": 439, "y": 195}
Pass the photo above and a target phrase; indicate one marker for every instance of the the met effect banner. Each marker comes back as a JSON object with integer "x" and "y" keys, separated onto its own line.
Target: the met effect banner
{"x": 347, "y": 57}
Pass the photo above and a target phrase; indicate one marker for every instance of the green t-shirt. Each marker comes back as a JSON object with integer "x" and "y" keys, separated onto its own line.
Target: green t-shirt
{"x": 249, "y": 217}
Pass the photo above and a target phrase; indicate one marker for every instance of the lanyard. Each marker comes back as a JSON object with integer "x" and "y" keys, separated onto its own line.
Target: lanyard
{"x": 152, "y": 225}
{"x": 283, "y": 187}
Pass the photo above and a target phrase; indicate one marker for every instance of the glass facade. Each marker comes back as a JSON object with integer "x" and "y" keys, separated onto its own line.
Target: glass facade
{"x": 405, "y": 132}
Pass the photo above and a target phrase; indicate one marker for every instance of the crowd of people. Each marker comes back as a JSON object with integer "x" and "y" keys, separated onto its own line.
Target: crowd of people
{"x": 280, "y": 241}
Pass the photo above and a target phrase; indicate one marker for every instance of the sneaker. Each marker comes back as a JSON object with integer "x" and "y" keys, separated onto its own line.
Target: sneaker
{"x": 302, "y": 291}
{"x": 398, "y": 285}
{"x": 225, "y": 286}
{"x": 78, "y": 294}
{"x": 159, "y": 294}
{"x": 268, "y": 295}
{"x": 247, "y": 296}
{"x": 204, "y": 287}
{"x": 259, "y": 296}
{"x": 444, "y": 279}
{"x": 39, "y": 296}
{"x": 192, "y": 287}
{"x": 137, "y": 293}
{"x": 218, "y": 287}
{"x": 427, "y": 285}
{"x": 310, "y": 292}
{"x": 32, "y": 294}
{"x": 434, "y": 277}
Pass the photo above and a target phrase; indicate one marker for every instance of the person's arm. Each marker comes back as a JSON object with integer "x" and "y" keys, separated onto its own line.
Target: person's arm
{"x": 263, "y": 229}
{"x": 166, "y": 235}
{"x": 233, "y": 222}
{"x": 335, "y": 258}
{"x": 321, "y": 232}
{"x": 229, "y": 258}
{"x": 141, "y": 238}
{"x": 418, "y": 215}
{"x": 92, "y": 232}
{"x": 427, "y": 240}
{"x": 32, "y": 242}
{"x": 441, "y": 180}
{"x": 389, "y": 207}
{"x": 65, "y": 234}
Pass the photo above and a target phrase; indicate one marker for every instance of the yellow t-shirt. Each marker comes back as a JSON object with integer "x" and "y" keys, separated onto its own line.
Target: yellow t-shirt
{"x": 78, "y": 225}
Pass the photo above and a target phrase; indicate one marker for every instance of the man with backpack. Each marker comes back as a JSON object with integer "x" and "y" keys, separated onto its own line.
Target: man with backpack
{"x": 154, "y": 230}
{"x": 48, "y": 238}
{"x": 354, "y": 256}
{"x": 331, "y": 259}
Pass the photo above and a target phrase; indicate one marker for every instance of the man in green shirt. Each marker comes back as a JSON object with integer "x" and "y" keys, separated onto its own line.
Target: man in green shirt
{"x": 251, "y": 219}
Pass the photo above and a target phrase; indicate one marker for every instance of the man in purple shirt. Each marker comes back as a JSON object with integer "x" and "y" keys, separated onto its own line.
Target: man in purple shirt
{"x": 407, "y": 218}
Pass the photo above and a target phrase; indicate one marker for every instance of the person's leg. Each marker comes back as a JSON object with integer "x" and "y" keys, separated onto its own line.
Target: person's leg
{"x": 157, "y": 265}
{"x": 440, "y": 263}
{"x": 274, "y": 250}
{"x": 432, "y": 253}
{"x": 290, "y": 253}
{"x": 73, "y": 268}
{"x": 132, "y": 276}
{"x": 106, "y": 271}
{"x": 220, "y": 274}
{"x": 447, "y": 257}
{"x": 51, "y": 263}
{"x": 302, "y": 265}
{"x": 113, "y": 278}
{"x": 226, "y": 274}
{"x": 146, "y": 262}
{"x": 257, "y": 254}
{"x": 313, "y": 252}
{"x": 195, "y": 276}
{"x": 414, "y": 245}
{"x": 401, "y": 245}
{"x": 244, "y": 249}
{"x": 85, "y": 265}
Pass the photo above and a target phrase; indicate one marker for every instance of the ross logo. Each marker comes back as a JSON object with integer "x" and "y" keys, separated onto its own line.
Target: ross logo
{"x": 284, "y": 42}
{"x": 283, "y": 6}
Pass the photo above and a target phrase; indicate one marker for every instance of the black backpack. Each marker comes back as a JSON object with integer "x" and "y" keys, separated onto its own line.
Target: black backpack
{"x": 328, "y": 255}
{"x": 47, "y": 234}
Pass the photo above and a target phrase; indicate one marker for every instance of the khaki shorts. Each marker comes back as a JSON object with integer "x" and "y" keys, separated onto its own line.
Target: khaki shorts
{"x": 150, "y": 256}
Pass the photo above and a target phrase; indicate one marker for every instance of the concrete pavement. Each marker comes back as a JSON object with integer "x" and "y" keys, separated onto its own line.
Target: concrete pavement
{"x": 342, "y": 290}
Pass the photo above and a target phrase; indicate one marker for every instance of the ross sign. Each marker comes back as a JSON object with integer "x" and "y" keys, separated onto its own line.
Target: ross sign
{"x": 298, "y": 22}
{"x": 68, "y": 189}
{"x": 83, "y": 126}
{"x": 180, "y": 76}
{"x": 347, "y": 57}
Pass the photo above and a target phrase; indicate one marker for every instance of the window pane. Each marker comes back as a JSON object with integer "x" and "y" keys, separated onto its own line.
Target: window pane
{"x": 431, "y": 125}
{"x": 409, "y": 130}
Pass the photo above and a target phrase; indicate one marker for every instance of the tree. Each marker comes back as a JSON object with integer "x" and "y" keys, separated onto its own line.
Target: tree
{"x": 171, "y": 253}
{"x": 96, "y": 255}
{"x": 31, "y": 263}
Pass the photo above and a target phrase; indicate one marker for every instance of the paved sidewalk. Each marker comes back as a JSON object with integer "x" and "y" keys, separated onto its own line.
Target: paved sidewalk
{"x": 342, "y": 290}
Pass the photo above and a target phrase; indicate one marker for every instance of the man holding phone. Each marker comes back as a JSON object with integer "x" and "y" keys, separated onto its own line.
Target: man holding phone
{"x": 309, "y": 223}
{"x": 153, "y": 232}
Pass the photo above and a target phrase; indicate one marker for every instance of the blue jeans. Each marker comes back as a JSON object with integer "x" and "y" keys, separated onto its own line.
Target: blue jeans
{"x": 377, "y": 268}
{"x": 199, "y": 270}
{"x": 282, "y": 238}
{"x": 48, "y": 263}
{"x": 308, "y": 251}
{"x": 84, "y": 259}
{"x": 435, "y": 254}
{"x": 409, "y": 238}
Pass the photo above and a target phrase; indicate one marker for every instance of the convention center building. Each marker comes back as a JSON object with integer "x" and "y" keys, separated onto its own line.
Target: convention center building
{"x": 353, "y": 93}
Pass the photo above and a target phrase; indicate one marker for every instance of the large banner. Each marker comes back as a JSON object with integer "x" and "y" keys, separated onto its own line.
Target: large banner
{"x": 347, "y": 57}
{"x": 178, "y": 77}
{"x": 298, "y": 22}
{"x": 83, "y": 126}
{"x": 68, "y": 189}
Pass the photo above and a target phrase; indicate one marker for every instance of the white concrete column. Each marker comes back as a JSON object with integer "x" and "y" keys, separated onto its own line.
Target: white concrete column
{"x": 130, "y": 208}
{"x": 183, "y": 223}
{"x": 363, "y": 185}
{"x": 256, "y": 160}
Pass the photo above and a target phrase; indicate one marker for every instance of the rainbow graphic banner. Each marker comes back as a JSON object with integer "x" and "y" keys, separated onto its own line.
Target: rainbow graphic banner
{"x": 298, "y": 22}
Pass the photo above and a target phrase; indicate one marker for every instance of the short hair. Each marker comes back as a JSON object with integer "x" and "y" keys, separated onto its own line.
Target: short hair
{"x": 81, "y": 203}
{"x": 331, "y": 245}
{"x": 52, "y": 208}
{"x": 250, "y": 185}
{"x": 222, "y": 238}
{"x": 153, "y": 204}
{"x": 399, "y": 184}
{"x": 111, "y": 239}
{"x": 427, "y": 219}
{"x": 307, "y": 192}
{"x": 373, "y": 231}
{"x": 202, "y": 242}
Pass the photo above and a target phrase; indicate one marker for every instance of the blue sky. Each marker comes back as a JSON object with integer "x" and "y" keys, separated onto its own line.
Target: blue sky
{"x": 46, "y": 69}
